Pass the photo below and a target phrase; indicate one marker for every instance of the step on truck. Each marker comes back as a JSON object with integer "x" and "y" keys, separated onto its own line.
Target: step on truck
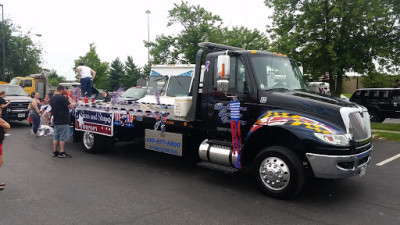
{"x": 251, "y": 112}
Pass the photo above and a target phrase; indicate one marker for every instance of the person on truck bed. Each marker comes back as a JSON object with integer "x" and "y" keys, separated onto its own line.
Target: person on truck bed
{"x": 86, "y": 77}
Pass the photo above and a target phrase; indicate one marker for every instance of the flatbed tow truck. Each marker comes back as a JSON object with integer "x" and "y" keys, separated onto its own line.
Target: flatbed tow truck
{"x": 251, "y": 112}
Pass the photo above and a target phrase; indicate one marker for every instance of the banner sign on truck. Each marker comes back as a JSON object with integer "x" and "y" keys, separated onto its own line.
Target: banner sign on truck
{"x": 96, "y": 121}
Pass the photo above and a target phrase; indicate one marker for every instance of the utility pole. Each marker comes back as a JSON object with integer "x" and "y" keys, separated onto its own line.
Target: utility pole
{"x": 148, "y": 36}
{"x": 3, "y": 74}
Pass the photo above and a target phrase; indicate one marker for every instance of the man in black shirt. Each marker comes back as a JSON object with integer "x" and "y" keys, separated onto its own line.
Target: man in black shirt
{"x": 4, "y": 105}
{"x": 60, "y": 110}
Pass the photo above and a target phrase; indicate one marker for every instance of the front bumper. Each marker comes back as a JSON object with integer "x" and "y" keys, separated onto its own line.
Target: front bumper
{"x": 339, "y": 166}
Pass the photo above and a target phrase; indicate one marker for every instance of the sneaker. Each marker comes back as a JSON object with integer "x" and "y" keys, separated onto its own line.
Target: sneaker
{"x": 55, "y": 154}
{"x": 64, "y": 155}
{"x": 7, "y": 135}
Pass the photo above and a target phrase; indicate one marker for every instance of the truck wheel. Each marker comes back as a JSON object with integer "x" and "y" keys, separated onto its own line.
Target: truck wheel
{"x": 94, "y": 143}
{"x": 279, "y": 172}
{"x": 375, "y": 116}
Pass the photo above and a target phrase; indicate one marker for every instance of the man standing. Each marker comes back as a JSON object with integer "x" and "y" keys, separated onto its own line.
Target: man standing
{"x": 86, "y": 77}
{"x": 4, "y": 106}
{"x": 60, "y": 110}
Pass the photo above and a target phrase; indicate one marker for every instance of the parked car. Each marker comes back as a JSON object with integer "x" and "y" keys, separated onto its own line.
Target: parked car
{"x": 18, "y": 109}
{"x": 381, "y": 103}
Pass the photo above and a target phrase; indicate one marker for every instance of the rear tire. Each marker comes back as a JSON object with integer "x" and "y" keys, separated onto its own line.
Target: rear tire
{"x": 95, "y": 143}
{"x": 279, "y": 172}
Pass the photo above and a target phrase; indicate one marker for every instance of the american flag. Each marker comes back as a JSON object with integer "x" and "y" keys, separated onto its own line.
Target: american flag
{"x": 117, "y": 116}
{"x": 130, "y": 117}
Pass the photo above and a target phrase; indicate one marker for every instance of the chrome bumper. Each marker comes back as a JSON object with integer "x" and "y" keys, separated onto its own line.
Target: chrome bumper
{"x": 335, "y": 166}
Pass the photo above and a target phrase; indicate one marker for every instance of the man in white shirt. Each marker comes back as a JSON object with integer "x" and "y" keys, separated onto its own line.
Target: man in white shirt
{"x": 86, "y": 77}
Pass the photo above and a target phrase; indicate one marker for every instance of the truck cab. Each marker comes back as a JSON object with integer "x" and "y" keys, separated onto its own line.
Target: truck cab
{"x": 33, "y": 83}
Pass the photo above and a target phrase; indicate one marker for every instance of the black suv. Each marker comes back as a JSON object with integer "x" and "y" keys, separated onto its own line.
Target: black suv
{"x": 381, "y": 103}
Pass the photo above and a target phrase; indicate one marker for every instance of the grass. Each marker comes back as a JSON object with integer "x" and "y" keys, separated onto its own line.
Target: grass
{"x": 385, "y": 126}
{"x": 347, "y": 95}
{"x": 387, "y": 136}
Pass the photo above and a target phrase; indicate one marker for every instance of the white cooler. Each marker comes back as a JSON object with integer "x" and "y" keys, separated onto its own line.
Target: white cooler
{"x": 182, "y": 105}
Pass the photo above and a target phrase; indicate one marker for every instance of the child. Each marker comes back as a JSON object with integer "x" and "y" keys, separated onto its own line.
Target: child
{"x": 4, "y": 127}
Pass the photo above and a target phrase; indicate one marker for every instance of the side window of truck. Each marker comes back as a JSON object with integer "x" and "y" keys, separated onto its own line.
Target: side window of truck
{"x": 238, "y": 81}
{"x": 28, "y": 83}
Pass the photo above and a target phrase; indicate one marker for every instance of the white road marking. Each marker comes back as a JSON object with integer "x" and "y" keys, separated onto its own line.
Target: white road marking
{"x": 388, "y": 160}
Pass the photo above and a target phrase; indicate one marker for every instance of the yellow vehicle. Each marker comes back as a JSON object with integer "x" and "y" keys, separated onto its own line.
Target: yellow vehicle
{"x": 3, "y": 82}
{"x": 33, "y": 82}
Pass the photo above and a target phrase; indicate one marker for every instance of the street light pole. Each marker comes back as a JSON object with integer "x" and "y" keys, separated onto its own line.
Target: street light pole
{"x": 3, "y": 74}
{"x": 148, "y": 36}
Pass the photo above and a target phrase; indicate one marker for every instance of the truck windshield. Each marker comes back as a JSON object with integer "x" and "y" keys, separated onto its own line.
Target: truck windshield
{"x": 134, "y": 92}
{"x": 157, "y": 84}
{"x": 14, "y": 81}
{"x": 179, "y": 86}
{"x": 13, "y": 90}
{"x": 277, "y": 73}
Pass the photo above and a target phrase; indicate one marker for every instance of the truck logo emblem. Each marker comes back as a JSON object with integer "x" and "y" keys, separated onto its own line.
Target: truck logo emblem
{"x": 263, "y": 100}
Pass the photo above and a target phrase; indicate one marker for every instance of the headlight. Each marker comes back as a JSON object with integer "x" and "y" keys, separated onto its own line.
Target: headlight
{"x": 333, "y": 139}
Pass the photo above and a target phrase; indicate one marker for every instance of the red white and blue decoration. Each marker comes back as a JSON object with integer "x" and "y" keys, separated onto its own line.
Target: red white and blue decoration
{"x": 235, "y": 130}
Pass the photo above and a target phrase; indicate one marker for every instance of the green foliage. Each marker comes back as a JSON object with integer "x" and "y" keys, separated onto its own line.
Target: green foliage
{"x": 54, "y": 79}
{"x": 92, "y": 60}
{"x": 22, "y": 56}
{"x": 242, "y": 37}
{"x": 385, "y": 126}
{"x": 380, "y": 80}
{"x": 199, "y": 26}
{"x": 117, "y": 73}
{"x": 132, "y": 73}
{"x": 337, "y": 36}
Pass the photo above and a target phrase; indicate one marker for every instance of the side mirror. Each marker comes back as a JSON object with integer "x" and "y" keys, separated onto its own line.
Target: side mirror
{"x": 222, "y": 85}
{"x": 224, "y": 66}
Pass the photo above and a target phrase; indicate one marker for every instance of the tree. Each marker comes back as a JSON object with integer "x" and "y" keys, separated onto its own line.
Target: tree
{"x": 22, "y": 56}
{"x": 92, "y": 60}
{"x": 337, "y": 36}
{"x": 117, "y": 72}
{"x": 380, "y": 80}
{"x": 132, "y": 73}
{"x": 54, "y": 79}
{"x": 242, "y": 37}
{"x": 200, "y": 25}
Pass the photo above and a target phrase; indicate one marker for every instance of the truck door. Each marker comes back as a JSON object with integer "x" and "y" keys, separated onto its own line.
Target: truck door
{"x": 218, "y": 114}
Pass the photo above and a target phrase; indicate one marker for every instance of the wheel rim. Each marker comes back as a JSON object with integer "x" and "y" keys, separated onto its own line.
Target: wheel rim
{"x": 88, "y": 140}
{"x": 274, "y": 173}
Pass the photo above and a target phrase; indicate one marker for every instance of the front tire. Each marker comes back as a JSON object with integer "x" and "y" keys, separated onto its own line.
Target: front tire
{"x": 279, "y": 172}
{"x": 95, "y": 143}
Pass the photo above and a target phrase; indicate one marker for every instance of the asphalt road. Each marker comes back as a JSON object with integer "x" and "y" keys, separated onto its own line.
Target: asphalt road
{"x": 131, "y": 185}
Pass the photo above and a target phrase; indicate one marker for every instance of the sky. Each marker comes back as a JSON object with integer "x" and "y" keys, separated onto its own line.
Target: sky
{"x": 117, "y": 28}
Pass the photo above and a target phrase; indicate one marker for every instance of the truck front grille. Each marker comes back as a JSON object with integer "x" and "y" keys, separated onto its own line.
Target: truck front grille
{"x": 360, "y": 125}
{"x": 18, "y": 105}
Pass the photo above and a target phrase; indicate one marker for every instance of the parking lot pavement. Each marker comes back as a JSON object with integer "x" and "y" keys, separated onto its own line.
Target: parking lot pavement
{"x": 131, "y": 185}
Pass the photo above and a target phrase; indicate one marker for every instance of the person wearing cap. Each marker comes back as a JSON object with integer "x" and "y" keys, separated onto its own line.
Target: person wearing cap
{"x": 86, "y": 77}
